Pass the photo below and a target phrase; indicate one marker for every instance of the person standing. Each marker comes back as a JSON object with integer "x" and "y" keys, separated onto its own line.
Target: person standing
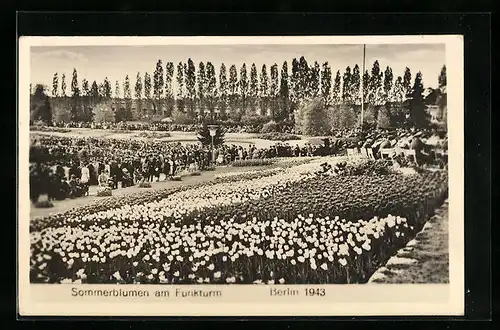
{"x": 417, "y": 145}
{"x": 114, "y": 173}
{"x": 84, "y": 179}
{"x": 174, "y": 165}
{"x": 92, "y": 174}
{"x": 166, "y": 167}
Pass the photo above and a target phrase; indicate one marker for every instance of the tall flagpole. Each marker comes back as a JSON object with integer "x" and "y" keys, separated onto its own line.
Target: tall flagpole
{"x": 362, "y": 85}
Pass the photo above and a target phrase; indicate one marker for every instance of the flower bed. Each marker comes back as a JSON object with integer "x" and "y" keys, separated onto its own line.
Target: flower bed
{"x": 104, "y": 192}
{"x": 252, "y": 162}
{"x": 152, "y": 135}
{"x": 276, "y": 136}
{"x": 43, "y": 128}
{"x": 44, "y": 204}
{"x": 142, "y": 197}
{"x": 370, "y": 167}
{"x": 284, "y": 228}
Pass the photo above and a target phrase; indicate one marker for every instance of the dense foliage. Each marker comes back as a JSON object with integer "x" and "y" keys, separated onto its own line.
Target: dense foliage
{"x": 276, "y": 136}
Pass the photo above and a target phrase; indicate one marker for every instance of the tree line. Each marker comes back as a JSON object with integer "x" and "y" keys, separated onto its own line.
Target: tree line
{"x": 188, "y": 92}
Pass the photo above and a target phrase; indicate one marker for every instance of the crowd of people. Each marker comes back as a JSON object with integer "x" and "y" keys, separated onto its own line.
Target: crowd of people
{"x": 429, "y": 146}
{"x": 65, "y": 167}
{"x": 160, "y": 126}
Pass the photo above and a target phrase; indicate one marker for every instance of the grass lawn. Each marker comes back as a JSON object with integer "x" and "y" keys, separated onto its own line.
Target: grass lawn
{"x": 176, "y": 136}
{"x": 430, "y": 251}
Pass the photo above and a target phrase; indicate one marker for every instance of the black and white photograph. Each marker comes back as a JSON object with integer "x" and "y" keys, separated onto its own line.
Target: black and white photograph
{"x": 276, "y": 164}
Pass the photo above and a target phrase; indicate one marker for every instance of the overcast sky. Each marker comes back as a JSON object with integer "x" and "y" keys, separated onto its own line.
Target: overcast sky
{"x": 114, "y": 62}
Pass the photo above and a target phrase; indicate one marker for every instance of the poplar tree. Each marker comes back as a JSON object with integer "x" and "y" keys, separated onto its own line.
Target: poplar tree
{"x": 117, "y": 90}
{"x": 223, "y": 92}
{"x": 442, "y": 101}
{"x": 346, "y": 87}
{"x": 375, "y": 84}
{"x": 304, "y": 80}
{"x": 119, "y": 111}
{"x": 274, "y": 90}
{"x": 169, "y": 94}
{"x": 397, "y": 99}
{"x": 442, "y": 78}
{"x": 86, "y": 102}
{"x": 138, "y": 94}
{"x": 243, "y": 84}
{"x": 326, "y": 84}
{"x": 94, "y": 93}
{"x": 147, "y": 89}
{"x": 337, "y": 89}
{"x": 388, "y": 83}
{"x": 211, "y": 89}
{"x": 106, "y": 89}
{"x": 100, "y": 90}
{"x": 63, "y": 85}
{"x": 189, "y": 76}
{"x": 366, "y": 86}
{"x": 55, "y": 85}
{"x": 127, "y": 95}
{"x": 233, "y": 91}
{"x": 253, "y": 90}
{"x": 158, "y": 83}
{"x": 294, "y": 83}
{"x": 407, "y": 83}
{"x": 398, "y": 91}
{"x": 180, "y": 88}
{"x": 264, "y": 91}
{"x": 417, "y": 108}
{"x": 202, "y": 83}
{"x": 355, "y": 85}
{"x": 284, "y": 94}
{"x": 314, "y": 81}
{"x": 75, "y": 96}
{"x": 85, "y": 88}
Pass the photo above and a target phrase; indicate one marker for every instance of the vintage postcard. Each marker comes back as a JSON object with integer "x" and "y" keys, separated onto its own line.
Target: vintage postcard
{"x": 241, "y": 176}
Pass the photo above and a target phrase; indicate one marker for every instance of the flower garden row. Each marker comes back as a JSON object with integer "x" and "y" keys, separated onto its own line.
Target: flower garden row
{"x": 286, "y": 227}
{"x": 145, "y": 196}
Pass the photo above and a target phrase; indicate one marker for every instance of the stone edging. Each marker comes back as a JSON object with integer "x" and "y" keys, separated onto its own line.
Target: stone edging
{"x": 397, "y": 263}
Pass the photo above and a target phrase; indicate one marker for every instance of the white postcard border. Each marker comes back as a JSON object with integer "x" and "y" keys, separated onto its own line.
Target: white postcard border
{"x": 32, "y": 298}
